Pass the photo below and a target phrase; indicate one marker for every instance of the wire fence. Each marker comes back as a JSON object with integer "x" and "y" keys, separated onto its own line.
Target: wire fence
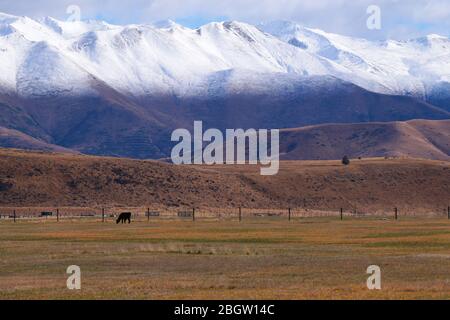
{"x": 139, "y": 214}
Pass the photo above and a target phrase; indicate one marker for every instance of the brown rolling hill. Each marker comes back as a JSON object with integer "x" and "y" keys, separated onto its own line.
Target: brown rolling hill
{"x": 426, "y": 139}
{"x": 10, "y": 138}
{"x": 369, "y": 185}
{"x": 417, "y": 138}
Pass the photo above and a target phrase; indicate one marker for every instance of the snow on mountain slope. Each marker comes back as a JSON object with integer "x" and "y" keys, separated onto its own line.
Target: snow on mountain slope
{"x": 12, "y": 52}
{"x": 55, "y": 57}
{"x": 46, "y": 72}
{"x": 33, "y": 61}
{"x": 399, "y": 67}
{"x": 143, "y": 60}
{"x": 140, "y": 59}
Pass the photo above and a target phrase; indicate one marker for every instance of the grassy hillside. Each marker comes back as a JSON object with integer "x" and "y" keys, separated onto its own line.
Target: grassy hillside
{"x": 417, "y": 138}
{"x": 35, "y": 179}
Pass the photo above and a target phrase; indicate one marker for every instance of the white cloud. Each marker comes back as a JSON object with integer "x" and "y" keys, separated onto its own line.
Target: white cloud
{"x": 433, "y": 10}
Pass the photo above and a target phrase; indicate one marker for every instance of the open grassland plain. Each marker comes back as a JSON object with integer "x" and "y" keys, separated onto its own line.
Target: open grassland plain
{"x": 260, "y": 258}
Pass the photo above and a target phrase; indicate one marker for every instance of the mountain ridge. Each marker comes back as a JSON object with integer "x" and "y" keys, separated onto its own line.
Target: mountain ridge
{"x": 105, "y": 50}
{"x": 105, "y": 89}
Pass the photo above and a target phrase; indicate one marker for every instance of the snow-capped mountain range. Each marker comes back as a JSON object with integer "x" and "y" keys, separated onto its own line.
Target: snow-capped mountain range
{"x": 105, "y": 89}
{"x": 50, "y": 56}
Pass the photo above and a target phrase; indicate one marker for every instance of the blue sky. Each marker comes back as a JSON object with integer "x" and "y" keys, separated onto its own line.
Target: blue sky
{"x": 400, "y": 19}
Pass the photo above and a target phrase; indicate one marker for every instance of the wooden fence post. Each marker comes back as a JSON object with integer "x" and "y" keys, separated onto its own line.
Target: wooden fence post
{"x": 342, "y": 214}
{"x": 240, "y": 214}
{"x": 193, "y": 214}
{"x": 148, "y": 214}
{"x": 448, "y": 212}
{"x": 289, "y": 212}
{"x": 396, "y": 214}
{"x": 57, "y": 215}
{"x": 103, "y": 214}
{"x": 14, "y": 213}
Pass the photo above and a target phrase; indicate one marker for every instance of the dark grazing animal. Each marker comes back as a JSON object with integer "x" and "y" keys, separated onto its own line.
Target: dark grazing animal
{"x": 123, "y": 217}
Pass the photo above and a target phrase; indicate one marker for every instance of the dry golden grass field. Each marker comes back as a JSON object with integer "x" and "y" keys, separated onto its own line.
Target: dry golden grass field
{"x": 259, "y": 258}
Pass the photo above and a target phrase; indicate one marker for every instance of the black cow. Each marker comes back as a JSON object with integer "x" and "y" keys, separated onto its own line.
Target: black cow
{"x": 123, "y": 217}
